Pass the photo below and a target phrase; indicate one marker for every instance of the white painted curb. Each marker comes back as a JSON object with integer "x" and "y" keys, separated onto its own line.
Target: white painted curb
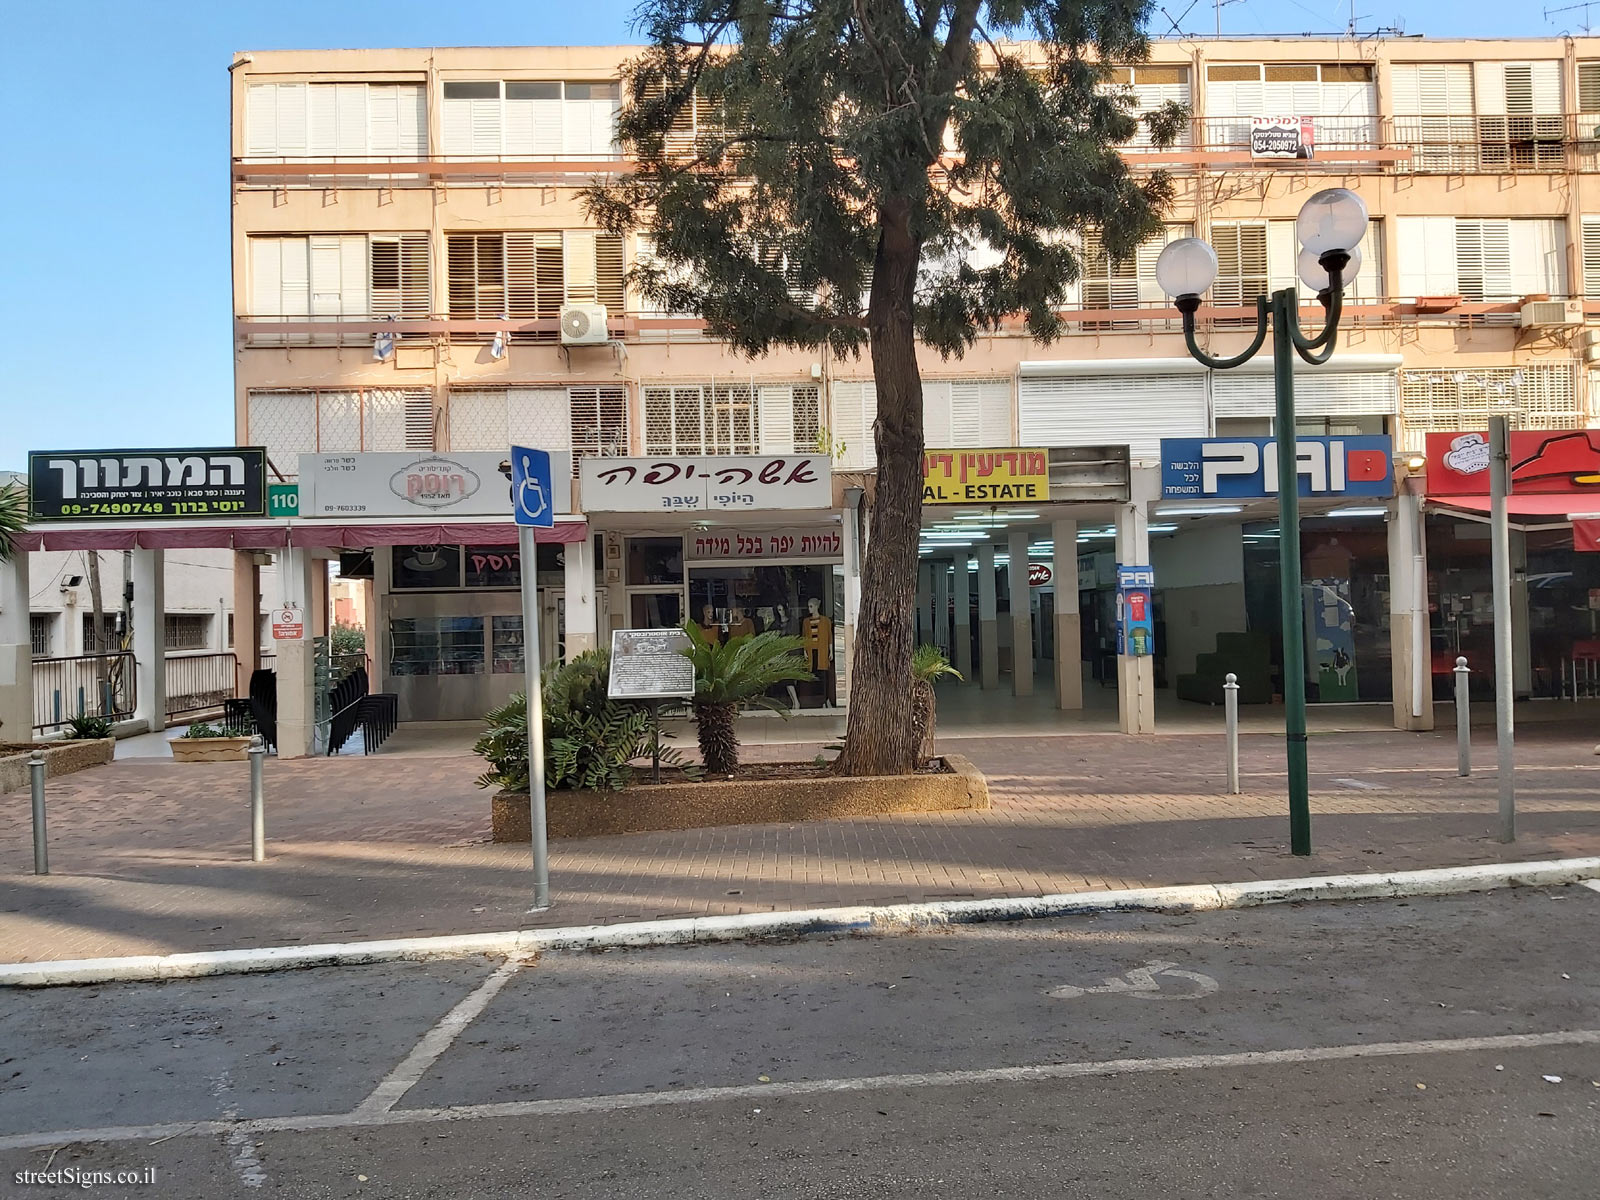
{"x": 889, "y": 919}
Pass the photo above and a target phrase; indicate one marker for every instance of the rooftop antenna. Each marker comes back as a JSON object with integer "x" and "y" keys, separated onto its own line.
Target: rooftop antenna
{"x": 1219, "y": 5}
{"x": 1584, "y": 24}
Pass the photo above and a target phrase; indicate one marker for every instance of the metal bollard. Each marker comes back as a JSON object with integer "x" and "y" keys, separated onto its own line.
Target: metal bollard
{"x": 258, "y": 816}
{"x": 1463, "y": 720}
{"x": 1230, "y": 707}
{"x": 41, "y": 847}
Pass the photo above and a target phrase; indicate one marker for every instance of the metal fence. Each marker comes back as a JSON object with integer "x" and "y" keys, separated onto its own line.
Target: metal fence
{"x": 83, "y": 685}
{"x": 199, "y": 683}
{"x": 1581, "y": 679}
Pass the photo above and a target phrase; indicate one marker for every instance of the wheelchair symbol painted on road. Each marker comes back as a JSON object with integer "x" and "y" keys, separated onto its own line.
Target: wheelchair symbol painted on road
{"x": 1142, "y": 983}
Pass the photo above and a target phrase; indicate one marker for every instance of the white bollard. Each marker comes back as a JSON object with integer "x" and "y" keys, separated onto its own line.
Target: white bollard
{"x": 1463, "y": 721}
{"x": 41, "y": 846}
{"x": 258, "y": 815}
{"x": 1230, "y": 707}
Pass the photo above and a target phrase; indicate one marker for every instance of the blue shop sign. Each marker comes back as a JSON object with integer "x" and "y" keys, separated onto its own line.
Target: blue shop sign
{"x": 1246, "y": 468}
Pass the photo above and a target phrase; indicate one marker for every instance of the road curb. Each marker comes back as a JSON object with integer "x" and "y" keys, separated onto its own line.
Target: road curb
{"x": 897, "y": 918}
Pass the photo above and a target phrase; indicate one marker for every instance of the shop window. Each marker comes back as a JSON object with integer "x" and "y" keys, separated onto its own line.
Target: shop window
{"x": 796, "y": 599}
{"x": 655, "y": 560}
{"x": 475, "y": 568}
{"x": 436, "y": 646}
{"x": 41, "y": 626}
{"x": 426, "y": 568}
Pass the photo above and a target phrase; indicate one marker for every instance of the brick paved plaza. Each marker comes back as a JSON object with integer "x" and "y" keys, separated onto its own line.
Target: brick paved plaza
{"x": 149, "y": 856}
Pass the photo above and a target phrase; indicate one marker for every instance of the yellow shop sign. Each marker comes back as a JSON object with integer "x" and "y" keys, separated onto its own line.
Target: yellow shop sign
{"x": 985, "y": 476}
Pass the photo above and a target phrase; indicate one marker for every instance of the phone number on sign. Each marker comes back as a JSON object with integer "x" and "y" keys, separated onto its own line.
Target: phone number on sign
{"x": 134, "y": 508}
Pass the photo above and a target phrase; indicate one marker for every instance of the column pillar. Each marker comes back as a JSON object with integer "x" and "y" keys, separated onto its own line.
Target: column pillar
{"x": 150, "y": 638}
{"x": 1136, "y": 675}
{"x": 297, "y": 713}
{"x": 583, "y": 624}
{"x": 941, "y": 605}
{"x": 924, "y": 624}
{"x": 988, "y": 626}
{"x": 319, "y": 620}
{"x": 1021, "y": 614}
{"x": 851, "y": 547}
{"x": 1410, "y": 644}
{"x": 246, "y": 604}
{"x": 1068, "y": 624}
{"x": 962, "y": 603}
{"x": 16, "y": 649}
{"x": 1521, "y": 635}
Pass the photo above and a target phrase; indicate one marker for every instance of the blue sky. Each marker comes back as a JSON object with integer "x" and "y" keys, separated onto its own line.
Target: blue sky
{"x": 115, "y": 269}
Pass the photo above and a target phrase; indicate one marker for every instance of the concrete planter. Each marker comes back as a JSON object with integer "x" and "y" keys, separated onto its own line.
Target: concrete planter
{"x": 223, "y": 749}
{"x": 60, "y": 758}
{"x": 685, "y": 805}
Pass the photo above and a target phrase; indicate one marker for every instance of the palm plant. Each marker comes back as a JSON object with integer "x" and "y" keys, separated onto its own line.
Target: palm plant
{"x": 732, "y": 673}
{"x": 13, "y": 517}
{"x": 928, "y": 666}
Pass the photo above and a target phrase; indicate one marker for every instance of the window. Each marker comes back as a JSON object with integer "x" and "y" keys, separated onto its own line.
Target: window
{"x": 1340, "y": 97}
{"x": 533, "y": 275}
{"x": 1433, "y": 104}
{"x": 1130, "y": 283}
{"x": 1532, "y": 131}
{"x": 1589, "y": 87}
{"x": 292, "y": 423}
{"x": 1150, "y": 87}
{"x": 1482, "y": 260}
{"x": 1536, "y": 395}
{"x": 1241, "y": 263}
{"x": 108, "y": 640}
{"x": 731, "y": 419}
{"x": 336, "y": 120}
{"x": 531, "y": 118}
{"x": 188, "y": 631}
{"x": 41, "y": 630}
{"x": 340, "y": 275}
{"x": 586, "y": 420}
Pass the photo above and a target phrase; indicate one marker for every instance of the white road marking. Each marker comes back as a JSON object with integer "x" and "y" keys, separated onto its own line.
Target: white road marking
{"x": 240, "y": 1141}
{"x": 435, "y": 1042}
{"x": 1141, "y": 984}
{"x": 1592, "y": 884}
{"x": 1042, "y": 1073}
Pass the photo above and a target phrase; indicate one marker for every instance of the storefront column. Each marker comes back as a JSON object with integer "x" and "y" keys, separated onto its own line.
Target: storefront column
{"x": 1521, "y": 635}
{"x": 150, "y": 638}
{"x": 319, "y": 617}
{"x": 924, "y": 603}
{"x": 962, "y": 590}
{"x": 1410, "y": 644}
{"x": 1021, "y": 614}
{"x": 297, "y": 714}
{"x": 1068, "y": 624}
{"x": 988, "y": 626}
{"x": 16, "y": 650}
{"x": 1136, "y": 676}
{"x": 246, "y": 624}
{"x": 941, "y": 605}
{"x": 583, "y": 626}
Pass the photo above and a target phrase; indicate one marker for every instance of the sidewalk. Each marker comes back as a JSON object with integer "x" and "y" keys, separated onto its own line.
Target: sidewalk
{"x": 153, "y": 857}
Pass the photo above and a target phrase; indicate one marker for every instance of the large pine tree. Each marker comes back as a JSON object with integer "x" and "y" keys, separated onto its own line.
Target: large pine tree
{"x": 818, "y": 172}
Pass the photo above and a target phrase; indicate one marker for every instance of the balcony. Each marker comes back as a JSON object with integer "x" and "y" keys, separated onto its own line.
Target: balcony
{"x": 411, "y": 172}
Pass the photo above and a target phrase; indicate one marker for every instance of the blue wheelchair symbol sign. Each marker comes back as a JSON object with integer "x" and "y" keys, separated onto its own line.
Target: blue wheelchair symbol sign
{"x": 531, "y": 489}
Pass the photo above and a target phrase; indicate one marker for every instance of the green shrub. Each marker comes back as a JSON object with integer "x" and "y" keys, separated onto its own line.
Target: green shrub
{"x": 732, "y": 673}
{"x": 86, "y": 727}
{"x": 590, "y": 740}
{"x": 202, "y": 729}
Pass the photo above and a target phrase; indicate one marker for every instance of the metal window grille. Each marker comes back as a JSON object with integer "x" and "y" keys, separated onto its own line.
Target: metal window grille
{"x": 108, "y": 639}
{"x": 40, "y": 626}
{"x": 290, "y": 424}
{"x": 714, "y": 419}
{"x": 1539, "y": 396}
{"x": 187, "y": 631}
{"x": 599, "y": 422}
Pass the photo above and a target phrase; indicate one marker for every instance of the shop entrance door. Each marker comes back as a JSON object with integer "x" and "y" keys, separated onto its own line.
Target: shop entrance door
{"x": 655, "y": 609}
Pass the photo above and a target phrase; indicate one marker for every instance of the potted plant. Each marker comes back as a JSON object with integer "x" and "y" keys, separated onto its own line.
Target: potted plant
{"x": 736, "y": 672}
{"x": 203, "y": 742}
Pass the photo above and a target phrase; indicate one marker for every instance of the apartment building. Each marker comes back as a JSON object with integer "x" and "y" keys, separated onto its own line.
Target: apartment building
{"x": 415, "y": 274}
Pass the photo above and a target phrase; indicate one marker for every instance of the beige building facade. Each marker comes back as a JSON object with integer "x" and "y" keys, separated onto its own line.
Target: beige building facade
{"x": 409, "y": 243}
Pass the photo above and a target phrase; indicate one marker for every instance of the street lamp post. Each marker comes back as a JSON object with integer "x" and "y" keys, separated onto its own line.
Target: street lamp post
{"x": 1330, "y": 227}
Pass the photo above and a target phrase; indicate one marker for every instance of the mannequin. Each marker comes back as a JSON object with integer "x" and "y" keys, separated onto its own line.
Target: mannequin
{"x": 739, "y": 625}
{"x": 708, "y": 625}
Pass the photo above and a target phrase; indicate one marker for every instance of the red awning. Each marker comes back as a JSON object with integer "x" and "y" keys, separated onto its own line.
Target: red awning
{"x": 318, "y": 535}
{"x": 1561, "y": 508}
{"x": 1586, "y": 536}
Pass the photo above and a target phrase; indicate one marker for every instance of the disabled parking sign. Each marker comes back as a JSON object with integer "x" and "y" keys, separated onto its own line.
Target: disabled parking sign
{"x": 532, "y": 494}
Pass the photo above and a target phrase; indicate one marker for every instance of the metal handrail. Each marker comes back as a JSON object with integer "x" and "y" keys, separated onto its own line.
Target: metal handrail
{"x": 87, "y": 685}
{"x": 199, "y": 683}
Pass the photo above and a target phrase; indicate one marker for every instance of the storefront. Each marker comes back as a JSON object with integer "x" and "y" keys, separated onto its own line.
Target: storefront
{"x": 736, "y": 545}
{"x": 1555, "y": 576}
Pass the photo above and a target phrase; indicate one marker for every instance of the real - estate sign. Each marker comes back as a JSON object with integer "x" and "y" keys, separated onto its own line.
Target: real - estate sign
{"x": 123, "y": 485}
{"x": 1003, "y": 476}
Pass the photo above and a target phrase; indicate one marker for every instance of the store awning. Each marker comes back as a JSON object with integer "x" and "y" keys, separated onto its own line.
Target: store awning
{"x": 307, "y": 535}
{"x": 1558, "y": 508}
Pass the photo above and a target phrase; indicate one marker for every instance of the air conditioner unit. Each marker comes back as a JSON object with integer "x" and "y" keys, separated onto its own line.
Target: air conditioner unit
{"x": 1560, "y": 314}
{"x": 585, "y": 325}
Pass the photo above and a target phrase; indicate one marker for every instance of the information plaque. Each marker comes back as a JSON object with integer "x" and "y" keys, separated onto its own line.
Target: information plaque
{"x": 648, "y": 664}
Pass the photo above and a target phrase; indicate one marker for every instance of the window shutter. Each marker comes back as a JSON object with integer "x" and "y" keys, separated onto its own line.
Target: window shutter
{"x": 266, "y": 276}
{"x": 292, "y": 141}
{"x": 1536, "y": 257}
{"x": 1544, "y": 79}
{"x": 548, "y": 131}
{"x": 354, "y": 298}
{"x": 350, "y": 115}
{"x": 462, "y": 274}
{"x": 1591, "y": 258}
{"x": 383, "y": 119}
{"x": 1112, "y": 409}
{"x": 419, "y": 419}
{"x": 519, "y": 117}
{"x": 295, "y": 274}
{"x": 456, "y": 126}
{"x": 399, "y": 419}
{"x": 580, "y": 265}
{"x": 1427, "y": 256}
{"x": 479, "y": 419}
{"x": 261, "y": 119}
{"x": 1317, "y": 393}
{"x": 1483, "y": 260}
{"x": 980, "y": 413}
{"x": 1242, "y": 263}
{"x": 775, "y": 410}
{"x": 1283, "y": 256}
{"x": 854, "y": 408}
{"x": 609, "y": 272}
{"x": 1589, "y": 87}
{"x": 936, "y": 413}
{"x": 322, "y": 121}
{"x": 486, "y": 137}
{"x": 399, "y": 276}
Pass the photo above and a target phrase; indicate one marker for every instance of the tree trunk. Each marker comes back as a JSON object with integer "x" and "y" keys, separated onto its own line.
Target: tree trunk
{"x": 881, "y": 738}
{"x": 716, "y": 731}
{"x": 925, "y": 712}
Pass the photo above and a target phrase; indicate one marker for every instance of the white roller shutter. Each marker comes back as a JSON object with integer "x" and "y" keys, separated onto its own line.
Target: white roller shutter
{"x": 1427, "y": 256}
{"x": 266, "y": 275}
{"x": 980, "y": 413}
{"x": 1538, "y": 257}
{"x": 854, "y": 408}
{"x": 1317, "y": 393}
{"x": 1112, "y": 409}
{"x": 1591, "y": 258}
{"x": 936, "y": 413}
{"x": 775, "y": 417}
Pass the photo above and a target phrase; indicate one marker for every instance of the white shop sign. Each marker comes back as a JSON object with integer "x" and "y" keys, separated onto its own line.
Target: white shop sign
{"x": 724, "y": 482}
{"x": 418, "y": 484}
{"x": 820, "y": 543}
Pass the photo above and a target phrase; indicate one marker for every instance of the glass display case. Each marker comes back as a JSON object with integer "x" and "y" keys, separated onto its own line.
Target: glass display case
{"x": 506, "y": 652}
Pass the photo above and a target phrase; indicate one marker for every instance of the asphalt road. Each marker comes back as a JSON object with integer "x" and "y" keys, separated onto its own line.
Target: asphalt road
{"x": 1327, "y": 1050}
